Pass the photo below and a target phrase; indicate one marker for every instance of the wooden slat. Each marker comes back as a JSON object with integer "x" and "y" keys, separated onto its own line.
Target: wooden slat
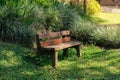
{"x": 51, "y": 42}
{"x": 55, "y": 41}
{"x": 66, "y": 39}
{"x": 65, "y": 33}
{"x": 54, "y": 34}
{"x": 63, "y": 45}
{"x": 49, "y": 35}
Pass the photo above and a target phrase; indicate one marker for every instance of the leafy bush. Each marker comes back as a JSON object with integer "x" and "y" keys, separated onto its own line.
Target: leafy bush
{"x": 44, "y": 3}
{"x": 18, "y": 23}
{"x": 20, "y": 28}
{"x": 77, "y": 6}
{"x": 93, "y": 7}
{"x": 14, "y": 23}
{"x": 52, "y": 19}
{"x": 45, "y": 19}
{"x": 67, "y": 15}
{"x": 55, "y": 18}
{"x": 12, "y": 29}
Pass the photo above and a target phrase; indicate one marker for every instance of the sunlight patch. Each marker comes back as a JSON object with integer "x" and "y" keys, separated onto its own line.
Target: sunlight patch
{"x": 113, "y": 70}
{"x": 66, "y": 63}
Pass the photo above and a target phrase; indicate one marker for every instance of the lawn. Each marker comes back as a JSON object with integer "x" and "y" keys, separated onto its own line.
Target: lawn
{"x": 107, "y": 18}
{"x": 95, "y": 63}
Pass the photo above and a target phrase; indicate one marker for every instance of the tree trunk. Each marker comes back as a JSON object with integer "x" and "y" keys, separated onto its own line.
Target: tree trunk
{"x": 85, "y": 6}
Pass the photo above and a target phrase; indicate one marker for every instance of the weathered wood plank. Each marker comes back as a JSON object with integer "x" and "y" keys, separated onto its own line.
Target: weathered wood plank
{"x": 55, "y": 59}
{"x": 51, "y": 42}
{"x": 54, "y": 41}
{"x": 65, "y": 33}
{"x": 66, "y": 39}
{"x": 49, "y": 35}
{"x": 63, "y": 45}
{"x": 54, "y": 34}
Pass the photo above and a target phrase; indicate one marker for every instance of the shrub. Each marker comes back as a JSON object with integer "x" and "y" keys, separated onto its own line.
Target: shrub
{"x": 52, "y": 19}
{"x": 82, "y": 29}
{"x": 107, "y": 36}
{"x": 15, "y": 27}
{"x": 67, "y": 16}
{"x": 12, "y": 29}
{"x": 44, "y": 3}
{"x": 46, "y": 19}
{"x": 77, "y": 6}
{"x": 19, "y": 25}
{"x": 86, "y": 31}
{"x": 93, "y": 7}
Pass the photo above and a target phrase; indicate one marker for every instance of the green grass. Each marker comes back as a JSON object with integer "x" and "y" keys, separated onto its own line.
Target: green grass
{"x": 107, "y": 18}
{"x": 95, "y": 63}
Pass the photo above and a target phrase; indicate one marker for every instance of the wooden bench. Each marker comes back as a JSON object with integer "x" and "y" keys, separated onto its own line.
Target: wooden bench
{"x": 55, "y": 41}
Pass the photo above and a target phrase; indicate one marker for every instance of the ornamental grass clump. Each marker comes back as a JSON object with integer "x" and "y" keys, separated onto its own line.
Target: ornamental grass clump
{"x": 107, "y": 36}
{"x": 82, "y": 29}
{"x": 12, "y": 29}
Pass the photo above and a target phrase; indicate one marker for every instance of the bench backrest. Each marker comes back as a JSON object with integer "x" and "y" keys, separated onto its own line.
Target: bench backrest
{"x": 53, "y": 38}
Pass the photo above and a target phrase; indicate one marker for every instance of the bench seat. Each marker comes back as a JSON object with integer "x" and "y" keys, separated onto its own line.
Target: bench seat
{"x": 63, "y": 45}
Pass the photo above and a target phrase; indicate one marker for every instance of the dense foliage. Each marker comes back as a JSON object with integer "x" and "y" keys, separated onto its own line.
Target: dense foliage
{"x": 20, "y": 20}
{"x": 107, "y": 36}
{"x": 88, "y": 32}
{"x": 93, "y": 7}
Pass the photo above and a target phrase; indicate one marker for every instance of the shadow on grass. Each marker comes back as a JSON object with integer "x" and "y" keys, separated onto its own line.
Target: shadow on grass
{"x": 13, "y": 64}
{"x": 46, "y": 57}
{"x": 20, "y": 63}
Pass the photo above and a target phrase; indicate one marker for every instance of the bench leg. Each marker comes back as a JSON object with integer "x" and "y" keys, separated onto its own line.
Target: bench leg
{"x": 55, "y": 59}
{"x": 65, "y": 51}
{"x": 78, "y": 49}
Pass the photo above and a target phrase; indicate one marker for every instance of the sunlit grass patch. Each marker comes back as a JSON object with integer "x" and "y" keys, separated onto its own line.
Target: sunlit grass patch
{"x": 107, "y": 18}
